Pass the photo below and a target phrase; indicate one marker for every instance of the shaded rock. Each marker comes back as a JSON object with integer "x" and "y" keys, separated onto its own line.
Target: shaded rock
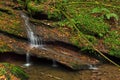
{"x": 72, "y": 59}
{"x": 66, "y": 56}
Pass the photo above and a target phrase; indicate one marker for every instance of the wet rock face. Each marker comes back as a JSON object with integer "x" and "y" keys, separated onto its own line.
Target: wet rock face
{"x": 54, "y": 34}
{"x": 11, "y": 72}
{"x": 72, "y": 59}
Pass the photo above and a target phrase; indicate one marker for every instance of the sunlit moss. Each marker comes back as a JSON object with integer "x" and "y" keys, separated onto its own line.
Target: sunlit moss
{"x": 112, "y": 41}
{"x": 9, "y": 70}
{"x": 11, "y": 24}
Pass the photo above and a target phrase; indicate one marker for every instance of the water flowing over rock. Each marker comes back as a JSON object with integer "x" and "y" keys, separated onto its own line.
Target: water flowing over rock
{"x": 42, "y": 41}
{"x": 71, "y": 59}
{"x": 47, "y": 49}
{"x": 35, "y": 41}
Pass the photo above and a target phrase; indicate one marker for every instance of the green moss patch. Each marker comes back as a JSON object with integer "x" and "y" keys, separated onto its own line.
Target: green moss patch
{"x": 10, "y": 24}
{"x": 112, "y": 41}
{"x": 9, "y": 70}
{"x": 89, "y": 21}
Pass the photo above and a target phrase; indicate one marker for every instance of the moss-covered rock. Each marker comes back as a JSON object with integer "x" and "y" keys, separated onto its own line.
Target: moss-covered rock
{"x": 94, "y": 28}
{"x": 10, "y": 25}
{"x": 11, "y": 72}
{"x": 112, "y": 41}
{"x": 10, "y": 21}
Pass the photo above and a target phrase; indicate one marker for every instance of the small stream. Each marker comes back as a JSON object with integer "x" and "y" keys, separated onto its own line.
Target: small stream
{"x": 42, "y": 69}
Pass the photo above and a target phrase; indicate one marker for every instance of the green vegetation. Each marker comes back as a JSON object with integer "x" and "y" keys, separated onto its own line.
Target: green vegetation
{"x": 8, "y": 70}
{"x": 6, "y": 10}
{"x": 105, "y": 13}
{"x": 89, "y": 25}
{"x": 87, "y": 20}
{"x": 113, "y": 42}
{"x": 4, "y": 47}
{"x": 45, "y": 8}
{"x": 10, "y": 24}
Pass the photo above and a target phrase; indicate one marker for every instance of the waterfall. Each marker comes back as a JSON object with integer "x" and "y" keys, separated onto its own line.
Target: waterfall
{"x": 35, "y": 41}
{"x": 54, "y": 63}
{"x": 28, "y": 63}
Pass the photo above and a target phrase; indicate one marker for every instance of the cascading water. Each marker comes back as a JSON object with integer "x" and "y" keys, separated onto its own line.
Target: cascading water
{"x": 28, "y": 63}
{"x": 35, "y": 41}
{"x": 92, "y": 67}
{"x": 54, "y": 64}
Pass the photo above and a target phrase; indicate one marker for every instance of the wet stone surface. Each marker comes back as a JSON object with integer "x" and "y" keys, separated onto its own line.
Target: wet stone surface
{"x": 42, "y": 69}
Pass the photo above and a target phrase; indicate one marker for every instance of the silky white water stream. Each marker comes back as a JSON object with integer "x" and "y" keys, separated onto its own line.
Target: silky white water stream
{"x": 34, "y": 40}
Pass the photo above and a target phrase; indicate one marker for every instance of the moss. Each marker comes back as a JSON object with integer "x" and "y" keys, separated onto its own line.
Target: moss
{"x": 4, "y": 48}
{"x": 11, "y": 24}
{"x": 92, "y": 27}
{"x": 79, "y": 66}
{"x": 35, "y": 8}
{"x": 9, "y": 70}
{"x": 92, "y": 39}
{"x": 18, "y": 72}
{"x": 74, "y": 66}
{"x": 112, "y": 41}
{"x": 47, "y": 8}
{"x": 75, "y": 41}
{"x": 2, "y": 71}
{"x": 6, "y": 10}
{"x": 80, "y": 42}
{"x": 115, "y": 52}
{"x": 0, "y": 13}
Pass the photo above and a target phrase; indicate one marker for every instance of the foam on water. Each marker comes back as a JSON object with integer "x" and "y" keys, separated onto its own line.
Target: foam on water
{"x": 93, "y": 67}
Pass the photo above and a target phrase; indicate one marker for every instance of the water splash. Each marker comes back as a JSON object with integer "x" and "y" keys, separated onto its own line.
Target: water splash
{"x": 35, "y": 40}
{"x": 54, "y": 64}
{"x": 92, "y": 67}
{"x": 28, "y": 62}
